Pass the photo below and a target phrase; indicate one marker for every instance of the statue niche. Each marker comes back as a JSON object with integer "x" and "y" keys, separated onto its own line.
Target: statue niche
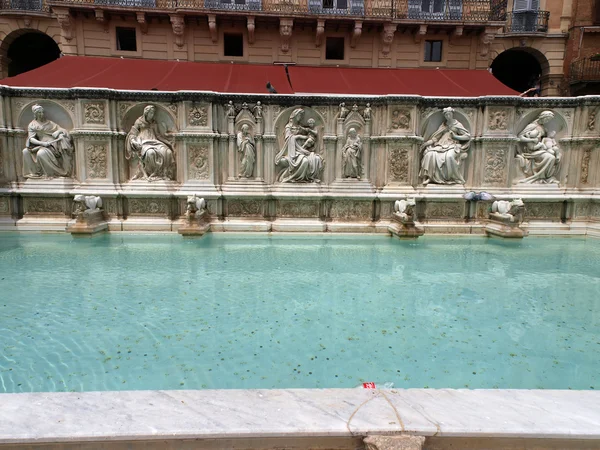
{"x": 300, "y": 158}
{"x": 48, "y": 152}
{"x": 147, "y": 145}
{"x": 538, "y": 154}
{"x": 352, "y": 155}
{"x": 444, "y": 153}
{"x": 247, "y": 149}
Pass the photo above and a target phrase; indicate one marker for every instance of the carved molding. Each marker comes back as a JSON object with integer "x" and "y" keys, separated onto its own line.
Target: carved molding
{"x": 541, "y": 210}
{"x": 212, "y": 27}
{"x": 4, "y": 205}
{"x": 585, "y": 165}
{"x": 198, "y": 166}
{"x": 351, "y": 210}
{"x": 242, "y": 208}
{"x": 400, "y": 119}
{"x": 178, "y": 25}
{"x": 94, "y": 113}
{"x": 297, "y": 208}
{"x": 320, "y": 32}
{"x": 96, "y": 156}
{"x": 44, "y": 205}
{"x": 198, "y": 116}
{"x": 251, "y": 26}
{"x": 398, "y": 164}
{"x": 498, "y": 119}
{"x": 141, "y": 19}
{"x": 150, "y": 206}
{"x": 63, "y": 16}
{"x": 356, "y": 33}
{"x": 420, "y": 33}
{"x": 495, "y": 165}
{"x": 285, "y": 31}
{"x": 445, "y": 210}
{"x": 387, "y": 37}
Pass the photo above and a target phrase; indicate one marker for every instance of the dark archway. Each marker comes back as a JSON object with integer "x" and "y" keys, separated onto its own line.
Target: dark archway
{"x": 519, "y": 68}
{"x": 30, "y": 51}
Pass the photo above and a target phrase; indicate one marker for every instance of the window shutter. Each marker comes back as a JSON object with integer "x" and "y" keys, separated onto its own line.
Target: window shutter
{"x": 455, "y": 9}
{"x": 521, "y": 5}
{"x": 535, "y": 5}
{"x": 414, "y": 9}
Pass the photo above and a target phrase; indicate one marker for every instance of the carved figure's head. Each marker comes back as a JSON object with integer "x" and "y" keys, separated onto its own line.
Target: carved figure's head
{"x": 297, "y": 115}
{"x": 38, "y": 112}
{"x": 448, "y": 113}
{"x": 545, "y": 117}
{"x": 149, "y": 112}
{"x": 245, "y": 129}
{"x": 311, "y": 122}
{"x": 352, "y": 132}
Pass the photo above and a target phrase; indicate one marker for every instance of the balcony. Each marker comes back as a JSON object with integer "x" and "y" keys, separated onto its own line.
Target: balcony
{"x": 456, "y": 11}
{"x": 534, "y": 21}
{"x": 585, "y": 70}
{"x": 24, "y": 5}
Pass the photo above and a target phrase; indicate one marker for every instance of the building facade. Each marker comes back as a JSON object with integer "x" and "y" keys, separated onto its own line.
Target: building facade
{"x": 454, "y": 34}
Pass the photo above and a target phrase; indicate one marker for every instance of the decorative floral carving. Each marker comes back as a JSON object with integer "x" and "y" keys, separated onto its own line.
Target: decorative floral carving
{"x": 4, "y": 205}
{"x": 585, "y": 165}
{"x": 148, "y": 206}
{"x": 498, "y": 119}
{"x": 69, "y": 106}
{"x": 276, "y": 111}
{"x": 591, "y": 124}
{"x": 20, "y": 104}
{"x": 239, "y": 207}
{"x": 595, "y": 210}
{"x": 323, "y": 111}
{"x": 198, "y": 162}
{"x": 96, "y": 161}
{"x": 398, "y": 164}
{"x": 94, "y": 112}
{"x": 123, "y": 107}
{"x": 44, "y": 205}
{"x": 198, "y": 116}
{"x": 495, "y": 163}
{"x": 400, "y": 119}
{"x": 426, "y": 112}
{"x": 351, "y": 209}
{"x": 297, "y": 208}
{"x": 173, "y": 108}
{"x": 543, "y": 210}
{"x": 110, "y": 205}
{"x": 445, "y": 210}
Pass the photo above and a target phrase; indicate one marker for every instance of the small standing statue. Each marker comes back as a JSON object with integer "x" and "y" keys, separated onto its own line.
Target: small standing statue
{"x": 49, "y": 149}
{"x": 258, "y": 110}
{"x": 351, "y": 155}
{"x": 246, "y": 146}
{"x": 147, "y": 143}
{"x": 367, "y": 112}
{"x": 343, "y": 111}
{"x": 230, "y": 109}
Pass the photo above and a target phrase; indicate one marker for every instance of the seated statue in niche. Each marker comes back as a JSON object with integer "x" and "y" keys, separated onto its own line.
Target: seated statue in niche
{"x": 147, "y": 144}
{"x": 49, "y": 149}
{"x": 299, "y": 156}
{"x": 351, "y": 156}
{"x": 245, "y": 145}
{"x": 445, "y": 151}
{"x": 540, "y": 156}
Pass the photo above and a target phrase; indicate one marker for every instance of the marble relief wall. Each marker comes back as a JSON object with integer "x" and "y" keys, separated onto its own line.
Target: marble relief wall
{"x": 273, "y": 157}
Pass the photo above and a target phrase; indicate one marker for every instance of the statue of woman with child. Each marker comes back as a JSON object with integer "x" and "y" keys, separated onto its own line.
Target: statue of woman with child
{"x": 299, "y": 155}
{"x": 540, "y": 156}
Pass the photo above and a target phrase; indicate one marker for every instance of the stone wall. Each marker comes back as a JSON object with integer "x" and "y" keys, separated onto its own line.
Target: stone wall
{"x": 338, "y": 180}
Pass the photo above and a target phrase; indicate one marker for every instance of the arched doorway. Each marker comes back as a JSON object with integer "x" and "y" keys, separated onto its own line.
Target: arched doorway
{"x": 28, "y": 51}
{"x": 520, "y": 68}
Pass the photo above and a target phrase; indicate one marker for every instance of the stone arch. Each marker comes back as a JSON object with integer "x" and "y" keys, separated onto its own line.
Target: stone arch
{"x": 532, "y": 62}
{"x": 433, "y": 121}
{"x": 558, "y": 124}
{"x": 309, "y": 113}
{"x": 26, "y": 49}
{"x": 163, "y": 115}
{"x": 54, "y": 112}
{"x": 354, "y": 120}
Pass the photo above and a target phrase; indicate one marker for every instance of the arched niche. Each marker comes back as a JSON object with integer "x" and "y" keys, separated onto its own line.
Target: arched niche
{"x": 356, "y": 121}
{"x": 53, "y": 111}
{"x": 309, "y": 113}
{"x": 558, "y": 124}
{"x": 245, "y": 117}
{"x": 162, "y": 116}
{"x": 435, "y": 119}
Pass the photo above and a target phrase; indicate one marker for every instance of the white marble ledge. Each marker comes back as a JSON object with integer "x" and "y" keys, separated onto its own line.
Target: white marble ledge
{"x": 133, "y": 415}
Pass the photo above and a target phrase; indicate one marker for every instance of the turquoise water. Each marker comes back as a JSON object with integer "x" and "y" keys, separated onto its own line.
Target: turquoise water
{"x": 251, "y": 311}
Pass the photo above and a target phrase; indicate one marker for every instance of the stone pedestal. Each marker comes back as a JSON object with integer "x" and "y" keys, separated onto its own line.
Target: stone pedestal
{"x": 405, "y": 229}
{"x": 195, "y": 226}
{"x": 88, "y": 223}
{"x": 502, "y": 227}
{"x": 403, "y": 442}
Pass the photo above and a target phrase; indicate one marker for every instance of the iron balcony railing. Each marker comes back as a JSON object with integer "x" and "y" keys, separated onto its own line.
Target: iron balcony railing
{"x": 585, "y": 70}
{"x": 24, "y": 5}
{"x": 413, "y": 10}
{"x": 534, "y": 21}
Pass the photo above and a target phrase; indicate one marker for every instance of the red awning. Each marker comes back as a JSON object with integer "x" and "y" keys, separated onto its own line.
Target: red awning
{"x": 145, "y": 74}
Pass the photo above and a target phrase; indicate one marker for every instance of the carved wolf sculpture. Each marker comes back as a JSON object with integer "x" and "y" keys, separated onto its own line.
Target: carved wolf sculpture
{"x": 87, "y": 202}
{"x": 404, "y": 209}
{"x": 194, "y": 204}
{"x": 512, "y": 211}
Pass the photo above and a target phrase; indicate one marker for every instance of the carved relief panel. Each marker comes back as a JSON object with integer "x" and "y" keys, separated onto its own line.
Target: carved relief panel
{"x": 351, "y": 210}
{"x": 94, "y": 113}
{"x": 198, "y": 161}
{"x": 245, "y": 207}
{"x": 198, "y": 114}
{"x": 398, "y": 163}
{"x": 96, "y": 160}
{"x": 400, "y": 119}
{"x": 495, "y": 168}
{"x": 148, "y": 206}
{"x": 297, "y": 208}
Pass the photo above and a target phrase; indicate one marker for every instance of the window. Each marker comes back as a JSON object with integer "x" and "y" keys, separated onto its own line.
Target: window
{"x": 233, "y": 44}
{"x": 433, "y": 51}
{"x": 339, "y": 4}
{"x": 433, "y": 6}
{"x": 334, "y": 48}
{"x": 126, "y": 39}
{"x": 526, "y": 5}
